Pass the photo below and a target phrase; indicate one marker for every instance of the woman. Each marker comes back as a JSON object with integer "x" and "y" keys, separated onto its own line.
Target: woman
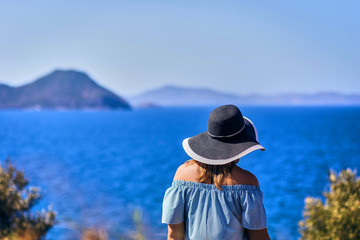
{"x": 211, "y": 197}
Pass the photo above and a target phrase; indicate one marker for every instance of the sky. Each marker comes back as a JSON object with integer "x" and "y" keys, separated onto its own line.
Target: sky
{"x": 240, "y": 47}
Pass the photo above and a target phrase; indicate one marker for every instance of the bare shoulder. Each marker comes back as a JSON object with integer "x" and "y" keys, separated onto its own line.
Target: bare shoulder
{"x": 189, "y": 171}
{"x": 242, "y": 176}
{"x": 186, "y": 171}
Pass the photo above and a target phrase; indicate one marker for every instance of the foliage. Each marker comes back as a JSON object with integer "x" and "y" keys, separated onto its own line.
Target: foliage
{"x": 100, "y": 234}
{"x": 139, "y": 226}
{"x": 94, "y": 234}
{"x": 337, "y": 218}
{"x": 16, "y": 201}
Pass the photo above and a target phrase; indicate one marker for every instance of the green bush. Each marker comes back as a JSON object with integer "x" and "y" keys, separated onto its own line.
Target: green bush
{"x": 16, "y": 201}
{"x": 339, "y": 217}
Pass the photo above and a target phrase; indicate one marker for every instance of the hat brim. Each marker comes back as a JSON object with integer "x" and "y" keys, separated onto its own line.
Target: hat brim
{"x": 219, "y": 151}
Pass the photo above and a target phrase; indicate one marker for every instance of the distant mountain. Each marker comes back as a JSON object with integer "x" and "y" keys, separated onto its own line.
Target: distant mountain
{"x": 179, "y": 96}
{"x": 61, "y": 90}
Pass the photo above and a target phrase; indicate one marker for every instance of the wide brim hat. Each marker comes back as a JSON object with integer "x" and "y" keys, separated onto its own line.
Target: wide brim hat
{"x": 230, "y": 136}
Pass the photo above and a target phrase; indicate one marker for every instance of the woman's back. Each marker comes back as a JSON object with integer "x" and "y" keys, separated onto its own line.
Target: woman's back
{"x": 211, "y": 213}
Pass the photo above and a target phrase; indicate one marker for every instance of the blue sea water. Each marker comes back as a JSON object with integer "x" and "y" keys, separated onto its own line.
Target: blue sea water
{"x": 96, "y": 167}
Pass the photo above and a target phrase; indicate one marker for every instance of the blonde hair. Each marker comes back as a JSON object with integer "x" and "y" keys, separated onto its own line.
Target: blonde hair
{"x": 215, "y": 174}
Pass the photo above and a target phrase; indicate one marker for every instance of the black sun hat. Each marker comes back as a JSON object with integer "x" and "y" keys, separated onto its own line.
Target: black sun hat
{"x": 230, "y": 136}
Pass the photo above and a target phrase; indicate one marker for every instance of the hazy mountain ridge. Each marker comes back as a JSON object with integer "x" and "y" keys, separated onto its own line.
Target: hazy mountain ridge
{"x": 180, "y": 96}
{"x": 61, "y": 89}
{"x": 69, "y": 89}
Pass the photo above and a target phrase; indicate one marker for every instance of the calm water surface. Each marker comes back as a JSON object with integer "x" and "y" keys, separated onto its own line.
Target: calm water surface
{"x": 95, "y": 168}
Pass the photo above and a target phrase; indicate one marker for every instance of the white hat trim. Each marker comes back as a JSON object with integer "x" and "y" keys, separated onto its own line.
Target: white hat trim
{"x": 199, "y": 158}
{"x": 256, "y": 134}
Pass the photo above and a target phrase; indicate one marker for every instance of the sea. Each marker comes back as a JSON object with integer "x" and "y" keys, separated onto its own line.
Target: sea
{"x": 110, "y": 169}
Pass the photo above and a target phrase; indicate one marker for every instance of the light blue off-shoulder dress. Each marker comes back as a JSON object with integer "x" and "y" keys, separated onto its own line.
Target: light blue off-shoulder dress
{"x": 210, "y": 213}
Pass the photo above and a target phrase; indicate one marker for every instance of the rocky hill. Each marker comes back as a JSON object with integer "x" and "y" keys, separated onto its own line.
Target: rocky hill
{"x": 61, "y": 90}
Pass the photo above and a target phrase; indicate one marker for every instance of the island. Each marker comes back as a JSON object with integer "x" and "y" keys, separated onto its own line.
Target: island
{"x": 61, "y": 89}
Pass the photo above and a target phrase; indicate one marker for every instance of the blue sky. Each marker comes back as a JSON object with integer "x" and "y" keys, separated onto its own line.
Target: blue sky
{"x": 239, "y": 47}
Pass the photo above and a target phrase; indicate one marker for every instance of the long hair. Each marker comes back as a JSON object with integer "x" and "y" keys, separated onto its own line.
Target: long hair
{"x": 215, "y": 174}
